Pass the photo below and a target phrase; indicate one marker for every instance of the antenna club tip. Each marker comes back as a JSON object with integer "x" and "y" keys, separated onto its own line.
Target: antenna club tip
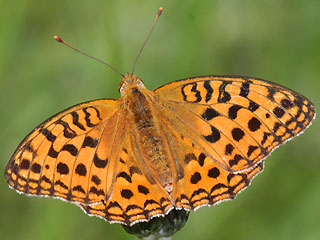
{"x": 160, "y": 11}
{"x": 57, "y": 38}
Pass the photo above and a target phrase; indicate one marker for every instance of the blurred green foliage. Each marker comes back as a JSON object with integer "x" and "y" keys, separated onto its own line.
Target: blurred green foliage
{"x": 278, "y": 40}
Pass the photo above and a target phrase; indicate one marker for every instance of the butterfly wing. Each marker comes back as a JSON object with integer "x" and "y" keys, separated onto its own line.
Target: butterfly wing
{"x": 135, "y": 197}
{"x": 236, "y": 121}
{"x": 200, "y": 180}
{"x": 197, "y": 179}
{"x": 64, "y": 156}
{"x": 83, "y": 155}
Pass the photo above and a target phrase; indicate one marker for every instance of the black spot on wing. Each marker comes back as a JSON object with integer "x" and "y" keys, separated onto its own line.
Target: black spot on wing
{"x": 251, "y": 150}
{"x": 224, "y": 96}
{"x": 150, "y": 201}
{"x": 229, "y": 149}
{"x": 143, "y": 189}
{"x": 214, "y": 136}
{"x": 193, "y": 89}
{"x": 78, "y": 189}
{"x": 265, "y": 137}
{"x": 213, "y": 172}
{"x": 97, "y": 112}
{"x": 209, "y": 114}
{"x": 244, "y": 90}
{"x": 81, "y": 170}
{"x": 62, "y": 168}
{"x": 276, "y": 126}
{"x": 216, "y": 187}
{"x": 28, "y": 147}
{"x": 75, "y": 120}
{"x": 235, "y": 160}
{"x": 198, "y": 95}
{"x": 195, "y": 178}
{"x": 89, "y": 142}
{"x": 126, "y": 193}
{"x": 52, "y": 152}
{"x": 209, "y": 90}
{"x": 114, "y": 204}
{"x": 99, "y": 163}
{"x": 61, "y": 184}
{"x": 47, "y": 180}
{"x": 96, "y": 191}
{"x": 125, "y": 176}
{"x": 70, "y": 148}
{"x": 50, "y": 137}
{"x": 298, "y": 101}
{"x": 286, "y": 103}
{"x": 96, "y": 179}
{"x": 25, "y": 164}
{"x": 279, "y": 112}
{"x": 254, "y": 124}
{"x": 36, "y": 168}
{"x": 237, "y": 134}
{"x": 201, "y": 159}
{"x": 87, "y": 116}
{"x": 233, "y": 111}
{"x": 67, "y": 131}
{"x": 271, "y": 92}
{"x": 253, "y": 106}
{"x": 134, "y": 208}
{"x": 196, "y": 194}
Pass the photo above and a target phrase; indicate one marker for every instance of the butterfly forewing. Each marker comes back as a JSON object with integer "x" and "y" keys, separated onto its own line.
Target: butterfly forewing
{"x": 236, "y": 121}
{"x": 61, "y": 156}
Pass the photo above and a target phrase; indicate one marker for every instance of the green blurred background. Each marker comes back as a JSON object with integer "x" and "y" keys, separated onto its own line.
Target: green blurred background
{"x": 278, "y": 40}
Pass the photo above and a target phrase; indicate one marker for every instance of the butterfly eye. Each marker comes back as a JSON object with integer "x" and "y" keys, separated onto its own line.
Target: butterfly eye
{"x": 122, "y": 87}
{"x": 140, "y": 83}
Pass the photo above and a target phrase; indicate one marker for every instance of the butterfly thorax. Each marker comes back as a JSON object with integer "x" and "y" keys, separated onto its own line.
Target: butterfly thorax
{"x": 148, "y": 139}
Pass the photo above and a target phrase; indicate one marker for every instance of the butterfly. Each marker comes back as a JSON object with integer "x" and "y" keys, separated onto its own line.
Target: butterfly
{"x": 190, "y": 143}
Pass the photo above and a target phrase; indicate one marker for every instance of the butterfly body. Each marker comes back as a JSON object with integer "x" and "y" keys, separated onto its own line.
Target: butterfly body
{"x": 139, "y": 103}
{"x": 190, "y": 143}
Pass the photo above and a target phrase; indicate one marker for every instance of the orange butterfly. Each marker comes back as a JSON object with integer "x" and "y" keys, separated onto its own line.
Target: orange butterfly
{"x": 187, "y": 144}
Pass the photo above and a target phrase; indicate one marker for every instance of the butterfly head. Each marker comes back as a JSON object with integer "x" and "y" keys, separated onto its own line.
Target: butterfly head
{"x": 130, "y": 81}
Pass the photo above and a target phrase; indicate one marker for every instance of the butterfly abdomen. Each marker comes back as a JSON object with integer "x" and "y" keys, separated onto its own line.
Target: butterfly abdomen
{"x": 148, "y": 137}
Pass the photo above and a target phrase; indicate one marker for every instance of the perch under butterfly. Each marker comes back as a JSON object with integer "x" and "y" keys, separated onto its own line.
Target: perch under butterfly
{"x": 187, "y": 144}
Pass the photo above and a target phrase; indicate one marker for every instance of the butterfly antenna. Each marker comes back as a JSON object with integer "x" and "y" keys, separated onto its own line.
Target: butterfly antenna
{"x": 145, "y": 41}
{"x": 60, "y": 40}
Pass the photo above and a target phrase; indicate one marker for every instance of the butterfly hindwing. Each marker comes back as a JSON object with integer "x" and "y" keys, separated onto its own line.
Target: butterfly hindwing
{"x": 237, "y": 121}
{"x": 134, "y": 197}
{"x": 200, "y": 180}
